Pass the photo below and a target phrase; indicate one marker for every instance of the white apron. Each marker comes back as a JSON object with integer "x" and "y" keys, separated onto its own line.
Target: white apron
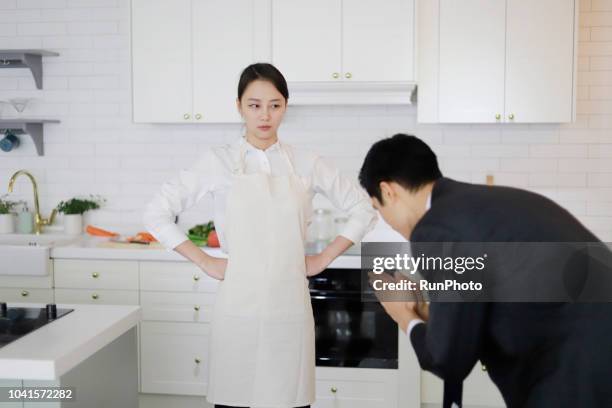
{"x": 262, "y": 348}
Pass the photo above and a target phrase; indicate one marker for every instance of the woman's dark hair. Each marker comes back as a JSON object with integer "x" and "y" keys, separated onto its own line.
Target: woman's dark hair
{"x": 265, "y": 72}
{"x": 404, "y": 159}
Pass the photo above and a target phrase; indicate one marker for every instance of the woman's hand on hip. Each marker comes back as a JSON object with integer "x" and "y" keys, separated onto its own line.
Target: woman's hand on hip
{"x": 316, "y": 264}
{"x": 214, "y": 267}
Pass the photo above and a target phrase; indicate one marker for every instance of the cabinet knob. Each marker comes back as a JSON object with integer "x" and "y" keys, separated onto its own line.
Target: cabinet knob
{"x": 24, "y": 293}
{"x": 198, "y": 116}
{"x": 483, "y": 367}
{"x": 335, "y": 75}
{"x": 197, "y": 360}
{"x": 348, "y": 75}
{"x": 497, "y": 116}
{"x": 334, "y": 390}
{"x": 94, "y": 296}
{"x": 196, "y": 308}
{"x": 196, "y": 278}
{"x": 95, "y": 275}
{"x": 511, "y": 116}
{"x": 186, "y": 116}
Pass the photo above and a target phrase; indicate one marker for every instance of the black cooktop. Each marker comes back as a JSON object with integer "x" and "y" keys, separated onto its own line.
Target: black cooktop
{"x": 19, "y": 321}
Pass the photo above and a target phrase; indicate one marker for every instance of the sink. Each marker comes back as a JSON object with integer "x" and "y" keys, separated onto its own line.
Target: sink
{"x": 28, "y": 254}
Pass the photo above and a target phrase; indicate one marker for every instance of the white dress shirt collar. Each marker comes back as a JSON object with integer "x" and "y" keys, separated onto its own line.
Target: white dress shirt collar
{"x": 250, "y": 148}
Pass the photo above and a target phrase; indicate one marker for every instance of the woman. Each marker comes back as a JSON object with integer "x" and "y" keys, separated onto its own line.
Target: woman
{"x": 262, "y": 338}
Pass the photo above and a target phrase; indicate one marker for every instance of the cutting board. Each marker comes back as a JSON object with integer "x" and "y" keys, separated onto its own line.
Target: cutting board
{"x": 129, "y": 245}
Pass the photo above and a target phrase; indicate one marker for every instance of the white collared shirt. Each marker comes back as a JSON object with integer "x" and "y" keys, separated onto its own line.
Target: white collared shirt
{"x": 212, "y": 174}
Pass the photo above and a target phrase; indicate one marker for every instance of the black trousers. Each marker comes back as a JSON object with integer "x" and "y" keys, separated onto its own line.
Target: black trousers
{"x": 228, "y": 406}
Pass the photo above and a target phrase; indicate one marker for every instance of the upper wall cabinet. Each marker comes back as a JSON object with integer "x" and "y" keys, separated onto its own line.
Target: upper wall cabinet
{"x": 187, "y": 56}
{"x": 497, "y": 61}
{"x": 366, "y": 43}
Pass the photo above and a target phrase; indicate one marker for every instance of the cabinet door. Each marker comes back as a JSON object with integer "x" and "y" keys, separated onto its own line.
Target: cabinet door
{"x": 223, "y": 45}
{"x": 472, "y": 38}
{"x": 174, "y": 358}
{"x": 306, "y": 39}
{"x": 161, "y": 60}
{"x": 540, "y": 60}
{"x": 378, "y": 40}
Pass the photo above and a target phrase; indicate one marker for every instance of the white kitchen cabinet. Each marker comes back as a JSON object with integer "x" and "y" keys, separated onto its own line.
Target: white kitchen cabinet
{"x": 187, "y": 57}
{"x": 306, "y": 40}
{"x": 540, "y": 51}
{"x": 344, "y": 40}
{"x": 161, "y": 60}
{"x": 96, "y": 296}
{"x": 174, "y": 358}
{"x": 96, "y": 274}
{"x": 175, "y": 277}
{"x": 355, "y": 388}
{"x": 26, "y": 294}
{"x": 177, "y": 307}
{"x": 497, "y": 61}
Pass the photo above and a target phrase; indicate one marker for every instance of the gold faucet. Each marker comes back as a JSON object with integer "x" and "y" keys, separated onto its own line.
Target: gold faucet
{"x": 39, "y": 221}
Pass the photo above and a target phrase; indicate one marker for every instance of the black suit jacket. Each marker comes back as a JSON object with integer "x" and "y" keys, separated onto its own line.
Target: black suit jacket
{"x": 538, "y": 354}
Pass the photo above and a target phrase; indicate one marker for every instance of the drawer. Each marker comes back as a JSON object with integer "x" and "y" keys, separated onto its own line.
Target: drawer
{"x": 33, "y": 295}
{"x": 174, "y": 358}
{"x": 27, "y": 281}
{"x": 96, "y": 274}
{"x": 96, "y": 296}
{"x": 175, "y": 277}
{"x": 177, "y": 307}
{"x": 356, "y": 388}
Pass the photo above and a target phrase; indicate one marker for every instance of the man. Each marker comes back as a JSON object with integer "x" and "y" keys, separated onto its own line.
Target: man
{"x": 538, "y": 354}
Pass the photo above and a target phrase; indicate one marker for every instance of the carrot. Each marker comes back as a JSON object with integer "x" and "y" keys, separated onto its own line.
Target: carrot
{"x": 145, "y": 236}
{"x": 91, "y": 230}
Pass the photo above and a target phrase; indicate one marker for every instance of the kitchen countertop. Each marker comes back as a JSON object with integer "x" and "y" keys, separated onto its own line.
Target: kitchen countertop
{"x": 88, "y": 247}
{"x": 55, "y": 348}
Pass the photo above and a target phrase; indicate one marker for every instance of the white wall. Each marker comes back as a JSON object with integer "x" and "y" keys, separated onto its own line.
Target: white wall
{"x": 96, "y": 149}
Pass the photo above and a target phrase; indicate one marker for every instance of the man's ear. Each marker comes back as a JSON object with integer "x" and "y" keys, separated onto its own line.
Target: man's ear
{"x": 387, "y": 191}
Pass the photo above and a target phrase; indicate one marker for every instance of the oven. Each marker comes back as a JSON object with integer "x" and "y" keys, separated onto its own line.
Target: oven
{"x": 351, "y": 327}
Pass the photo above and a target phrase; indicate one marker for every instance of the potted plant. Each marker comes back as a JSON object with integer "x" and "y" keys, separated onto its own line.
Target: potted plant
{"x": 7, "y": 215}
{"x": 73, "y": 210}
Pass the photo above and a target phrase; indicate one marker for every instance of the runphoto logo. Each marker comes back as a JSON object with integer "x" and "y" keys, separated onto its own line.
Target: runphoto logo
{"x": 426, "y": 263}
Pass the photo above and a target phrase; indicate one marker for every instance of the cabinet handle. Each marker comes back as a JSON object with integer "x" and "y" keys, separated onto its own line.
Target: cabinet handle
{"x": 497, "y": 116}
{"x": 196, "y": 278}
{"x": 483, "y": 367}
{"x": 198, "y": 116}
{"x": 196, "y": 308}
{"x": 348, "y": 75}
{"x": 95, "y": 275}
{"x": 186, "y": 116}
{"x": 94, "y": 296}
{"x": 334, "y": 390}
{"x": 511, "y": 116}
{"x": 335, "y": 75}
{"x": 24, "y": 293}
{"x": 197, "y": 360}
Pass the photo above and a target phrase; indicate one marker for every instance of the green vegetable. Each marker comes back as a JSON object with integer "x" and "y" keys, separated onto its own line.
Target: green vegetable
{"x": 198, "y": 234}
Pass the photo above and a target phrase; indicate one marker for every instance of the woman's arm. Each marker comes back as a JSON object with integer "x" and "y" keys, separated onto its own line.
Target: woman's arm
{"x": 346, "y": 196}
{"x": 176, "y": 196}
{"x": 214, "y": 267}
{"x": 317, "y": 263}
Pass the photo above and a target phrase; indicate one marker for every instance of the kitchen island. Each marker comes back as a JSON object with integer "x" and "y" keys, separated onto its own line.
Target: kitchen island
{"x": 92, "y": 349}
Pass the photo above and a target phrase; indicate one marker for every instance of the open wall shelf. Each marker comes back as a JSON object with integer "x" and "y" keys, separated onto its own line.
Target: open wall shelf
{"x": 31, "y": 59}
{"x": 33, "y": 127}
